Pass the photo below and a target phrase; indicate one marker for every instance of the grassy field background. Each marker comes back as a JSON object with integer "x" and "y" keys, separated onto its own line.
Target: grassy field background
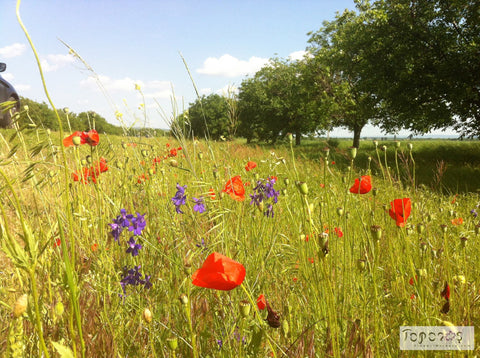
{"x": 340, "y": 276}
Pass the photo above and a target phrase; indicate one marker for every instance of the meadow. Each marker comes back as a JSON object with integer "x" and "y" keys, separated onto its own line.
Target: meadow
{"x": 179, "y": 247}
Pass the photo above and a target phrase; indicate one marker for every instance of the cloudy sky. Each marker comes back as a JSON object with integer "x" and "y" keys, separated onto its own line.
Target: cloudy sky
{"x": 142, "y": 42}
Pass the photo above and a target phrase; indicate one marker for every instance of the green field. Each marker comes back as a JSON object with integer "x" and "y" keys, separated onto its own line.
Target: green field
{"x": 338, "y": 273}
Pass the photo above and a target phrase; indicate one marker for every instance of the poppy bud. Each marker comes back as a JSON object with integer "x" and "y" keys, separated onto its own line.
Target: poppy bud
{"x": 200, "y": 155}
{"x": 77, "y": 140}
{"x": 397, "y": 144}
{"x": 384, "y": 148}
{"x": 420, "y": 228}
{"x": 183, "y": 299}
{"x": 284, "y": 192}
{"x": 172, "y": 343}
{"x": 290, "y": 137}
{"x": 347, "y": 215}
{"x": 286, "y": 181}
{"x": 66, "y": 110}
{"x": 83, "y": 162}
{"x": 89, "y": 159}
{"x": 463, "y": 242}
{"x": 215, "y": 174}
{"x": 376, "y": 232}
{"x": 375, "y": 143}
{"x": 144, "y": 153}
{"x": 147, "y": 315}
{"x": 353, "y": 152}
{"x": 302, "y": 187}
{"x": 173, "y": 163}
{"x": 410, "y": 146}
{"x": 443, "y": 227}
{"x": 124, "y": 145}
{"x": 361, "y": 264}
{"x": 151, "y": 171}
{"x": 245, "y": 308}
{"x": 20, "y": 305}
{"x": 369, "y": 158}
{"x": 409, "y": 230}
{"x": 339, "y": 211}
{"x": 374, "y": 191}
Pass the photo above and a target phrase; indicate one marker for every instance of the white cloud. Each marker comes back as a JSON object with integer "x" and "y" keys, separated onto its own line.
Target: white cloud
{"x": 13, "y": 50}
{"x": 297, "y": 55}
{"x": 22, "y": 88}
{"x": 229, "y": 66}
{"x": 53, "y": 62}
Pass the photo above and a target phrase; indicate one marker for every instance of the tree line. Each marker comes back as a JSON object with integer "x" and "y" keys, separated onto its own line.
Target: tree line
{"x": 396, "y": 64}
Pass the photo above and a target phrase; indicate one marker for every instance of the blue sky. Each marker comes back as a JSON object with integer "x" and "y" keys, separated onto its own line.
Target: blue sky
{"x": 139, "y": 42}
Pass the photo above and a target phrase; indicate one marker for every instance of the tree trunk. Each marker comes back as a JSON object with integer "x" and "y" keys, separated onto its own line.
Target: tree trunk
{"x": 298, "y": 137}
{"x": 356, "y": 136}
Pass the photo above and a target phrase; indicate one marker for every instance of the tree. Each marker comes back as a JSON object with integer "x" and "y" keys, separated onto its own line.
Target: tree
{"x": 424, "y": 63}
{"x": 208, "y": 117}
{"x": 278, "y": 100}
{"x": 339, "y": 47}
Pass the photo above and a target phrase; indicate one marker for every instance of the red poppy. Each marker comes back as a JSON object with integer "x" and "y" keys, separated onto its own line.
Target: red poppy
{"x": 91, "y": 137}
{"x": 362, "y": 185}
{"x": 57, "y": 243}
{"x": 261, "y": 302}
{"x": 92, "y": 172}
{"x": 400, "y": 210}
{"x": 235, "y": 188}
{"x": 457, "y": 221}
{"x": 94, "y": 247}
{"x": 173, "y": 152}
{"x": 211, "y": 192}
{"x": 220, "y": 273}
{"x": 339, "y": 232}
{"x": 250, "y": 166}
{"x": 446, "y": 292}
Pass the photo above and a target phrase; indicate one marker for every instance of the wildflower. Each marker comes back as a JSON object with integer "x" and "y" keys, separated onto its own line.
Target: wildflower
{"x": 264, "y": 191}
{"x": 91, "y": 137}
{"x": 137, "y": 224}
{"x": 400, "y": 210}
{"x": 133, "y": 277}
{"x": 273, "y": 318}
{"x": 362, "y": 185}
{"x": 250, "y": 166}
{"x": 235, "y": 188}
{"x": 133, "y": 247}
{"x": 339, "y": 232}
{"x": 91, "y": 173}
{"x": 212, "y": 194}
{"x": 474, "y": 213}
{"x": 199, "y": 205}
{"x": 261, "y": 302}
{"x": 446, "y": 292}
{"x": 457, "y": 221}
{"x": 202, "y": 245}
{"x": 119, "y": 223}
{"x": 220, "y": 273}
{"x": 179, "y": 198}
{"x": 94, "y": 247}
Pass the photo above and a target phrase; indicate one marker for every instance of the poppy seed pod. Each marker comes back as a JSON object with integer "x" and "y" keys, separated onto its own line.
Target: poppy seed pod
{"x": 463, "y": 242}
{"x": 339, "y": 211}
{"x": 410, "y": 146}
{"x": 420, "y": 228}
{"x": 245, "y": 308}
{"x": 144, "y": 153}
{"x": 302, "y": 187}
{"x": 361, "y": 264}
{"x": 89, "y": 159}
{"x": 172, "y": 343}
{"x": 173, "y": 163}
{"x": 20, "y": 306}
{"x": 397, "y": 144}
{"x": 376, "y": 232}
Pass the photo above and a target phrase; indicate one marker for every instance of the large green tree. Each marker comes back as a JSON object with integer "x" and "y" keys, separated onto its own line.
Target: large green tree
{"x": 424, "y": 63}
{"x": 278, "y": 100}
{"x": 339, "y": 46}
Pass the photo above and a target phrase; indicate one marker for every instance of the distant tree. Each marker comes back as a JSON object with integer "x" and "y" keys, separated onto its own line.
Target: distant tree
{"x": 278, "y": 100}
{"x": 208, "y": 117}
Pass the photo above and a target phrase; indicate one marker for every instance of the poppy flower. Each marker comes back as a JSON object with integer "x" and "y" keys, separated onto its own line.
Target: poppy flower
{"x": 235, "y": 188}
{"x": 250, "y": 166}
{"x": 457, "y": 221}
{"x": 400, "y": 210}
{"x": 219, "y": 272}
{"x": 261, "y": 302}
{"x": 91, "y": 137}
{"x": 446, "y": 291}
{"x": 92, "y": 172}
{"x": 339, "y": 232}
{"x": 211, "y": 192}
{"x": 362, "y": 185}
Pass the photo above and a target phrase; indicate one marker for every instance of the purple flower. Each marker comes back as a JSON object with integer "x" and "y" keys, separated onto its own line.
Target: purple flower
{"x": 179, "y": 198}
{"x": 474, "y": 213}
{"x": 202, "y": 246}
{"x": 199, "y": 205}
{"x": 137, "y": 224}
{"x": 120, "y": 222}
{"x": 264, "y": 191}
{"x": 133, "y": 247}
{"x": 133, "y": 277}
{"x": 220, "y": 343}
